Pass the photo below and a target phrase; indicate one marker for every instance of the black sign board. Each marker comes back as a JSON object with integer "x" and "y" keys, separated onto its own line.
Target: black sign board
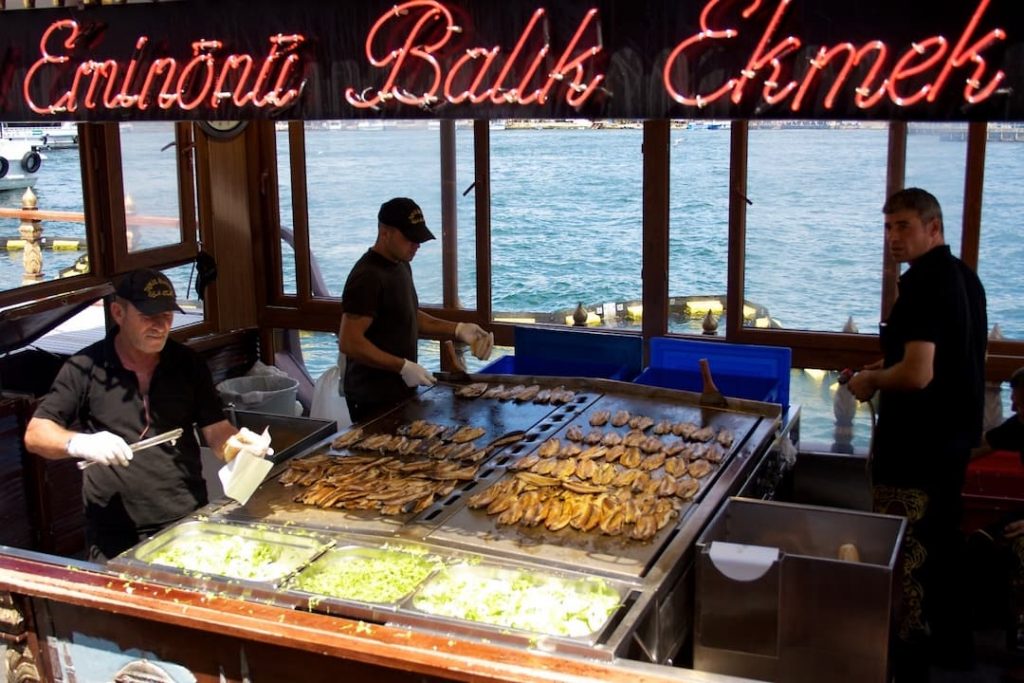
{"x": 617, "y": 59}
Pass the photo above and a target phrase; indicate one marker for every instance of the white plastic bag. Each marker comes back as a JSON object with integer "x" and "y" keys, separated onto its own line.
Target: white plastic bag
{"x": 328, "y": 403}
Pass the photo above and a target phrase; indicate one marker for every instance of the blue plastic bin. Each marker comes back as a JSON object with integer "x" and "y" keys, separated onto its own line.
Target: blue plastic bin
{"x": 758, "y": 373}
{"x": 571, "y": 353}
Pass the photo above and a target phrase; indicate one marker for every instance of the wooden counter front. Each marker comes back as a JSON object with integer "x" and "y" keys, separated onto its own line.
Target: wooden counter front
{"x": 79, "y": 616}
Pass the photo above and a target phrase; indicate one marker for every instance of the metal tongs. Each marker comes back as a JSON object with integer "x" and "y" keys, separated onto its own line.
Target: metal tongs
{"x": 171, "y": 436}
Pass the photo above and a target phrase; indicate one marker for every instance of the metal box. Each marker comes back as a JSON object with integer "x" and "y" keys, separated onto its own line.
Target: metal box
{"x": 775, "y": 602}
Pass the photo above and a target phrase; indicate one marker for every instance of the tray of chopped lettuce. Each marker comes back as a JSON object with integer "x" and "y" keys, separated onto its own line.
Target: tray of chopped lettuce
{"x": 378, "y": 576}
{"x": 522, "y": 599}
{"x": 205, "y": 554}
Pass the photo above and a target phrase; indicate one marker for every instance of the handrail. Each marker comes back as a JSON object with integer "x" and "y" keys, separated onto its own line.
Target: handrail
{"x": 79, "y": 217}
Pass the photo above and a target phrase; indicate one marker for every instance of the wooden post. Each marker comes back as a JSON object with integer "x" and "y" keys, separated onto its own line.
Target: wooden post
{"x": 31, "y": 231}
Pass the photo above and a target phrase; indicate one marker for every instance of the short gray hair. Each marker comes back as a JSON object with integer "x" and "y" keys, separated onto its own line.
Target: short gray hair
{"x": 921, "y": 202}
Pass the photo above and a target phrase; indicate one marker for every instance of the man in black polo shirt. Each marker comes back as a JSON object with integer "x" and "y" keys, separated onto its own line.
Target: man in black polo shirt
{"x": 382, "y": 319}
{"x": 134, "y": 384}
{"x": 931, "y": 385}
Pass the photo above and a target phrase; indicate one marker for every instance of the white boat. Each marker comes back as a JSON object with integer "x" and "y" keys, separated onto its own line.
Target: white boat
{"x": 20, "y": 161}
{"x": 63, "y": 135}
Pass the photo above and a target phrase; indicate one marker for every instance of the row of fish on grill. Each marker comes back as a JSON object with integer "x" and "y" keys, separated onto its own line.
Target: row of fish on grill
{"x": 400, "y": 473}
{"x": 520, "y": 393}
{"x": 425, "y": 439}
{"x": 387, "y": 484}
{"x": 602, "y": 481}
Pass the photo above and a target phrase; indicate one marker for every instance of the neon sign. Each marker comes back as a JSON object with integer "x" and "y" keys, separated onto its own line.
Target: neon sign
{"x": 422, "y": 54}
{"x": 569, "y": 69}
{"x": 921, "y": 58}
{"x": 205, "y": 79}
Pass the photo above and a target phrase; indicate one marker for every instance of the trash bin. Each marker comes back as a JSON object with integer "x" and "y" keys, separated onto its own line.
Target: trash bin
{"x": 775, "y": 602}
{"x": 261, "y": 393}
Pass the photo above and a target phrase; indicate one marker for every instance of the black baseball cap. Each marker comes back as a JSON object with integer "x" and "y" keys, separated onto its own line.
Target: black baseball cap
{"x": 405, "y": 215}
{"x": 149, "y": 291}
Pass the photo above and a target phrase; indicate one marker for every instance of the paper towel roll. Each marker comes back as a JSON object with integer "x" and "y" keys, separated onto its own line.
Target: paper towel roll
{"x": 742, "y": 562}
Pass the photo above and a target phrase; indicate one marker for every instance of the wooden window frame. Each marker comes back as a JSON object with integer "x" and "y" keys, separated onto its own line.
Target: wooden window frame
{"x": 811, "y": 349}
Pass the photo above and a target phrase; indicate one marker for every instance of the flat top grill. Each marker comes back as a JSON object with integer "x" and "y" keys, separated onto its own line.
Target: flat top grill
{"x": 451, "y": 522}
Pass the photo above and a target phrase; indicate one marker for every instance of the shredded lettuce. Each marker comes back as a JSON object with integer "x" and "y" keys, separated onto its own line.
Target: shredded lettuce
{"x": 377, "y": 576}
{"x": 234, "y": 556}
{"x": 516, "y": 599}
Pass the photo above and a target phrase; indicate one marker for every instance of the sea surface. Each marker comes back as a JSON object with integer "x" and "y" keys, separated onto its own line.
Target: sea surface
{"x": 567, "y": 211}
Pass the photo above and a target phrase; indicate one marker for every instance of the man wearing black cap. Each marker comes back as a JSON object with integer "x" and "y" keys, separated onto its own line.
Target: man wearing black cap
{"x": 382, "y": 319}
{"x": 134, "y": 384}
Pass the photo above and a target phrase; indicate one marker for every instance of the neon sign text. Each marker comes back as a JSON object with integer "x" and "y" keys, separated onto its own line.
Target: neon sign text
{"x": 917, "y": 62}
{"x": 207, "y": 79}
{"x": 745, "y": 56}
{"x": 469, "y": 76}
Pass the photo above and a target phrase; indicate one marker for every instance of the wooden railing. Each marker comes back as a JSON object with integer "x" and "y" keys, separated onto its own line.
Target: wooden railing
{"x": 32, "y": 241}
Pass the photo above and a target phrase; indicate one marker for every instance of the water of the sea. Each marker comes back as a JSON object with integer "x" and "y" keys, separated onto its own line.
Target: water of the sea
{"x": 566, "y": 219}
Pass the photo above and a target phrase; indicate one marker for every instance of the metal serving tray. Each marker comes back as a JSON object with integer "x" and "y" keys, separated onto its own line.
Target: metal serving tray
{"x": 203, "y": 543}
{"x": 546, "y": 619}
{"x": 375, "y": 561}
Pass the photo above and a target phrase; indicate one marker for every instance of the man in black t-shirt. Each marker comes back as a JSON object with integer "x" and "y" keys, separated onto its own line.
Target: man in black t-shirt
{"x": 931, "y": 384}
{"x": 382, "y": 320}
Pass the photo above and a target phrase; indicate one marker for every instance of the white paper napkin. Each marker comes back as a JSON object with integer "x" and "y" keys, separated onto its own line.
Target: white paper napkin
{"x": 243, "y": 475}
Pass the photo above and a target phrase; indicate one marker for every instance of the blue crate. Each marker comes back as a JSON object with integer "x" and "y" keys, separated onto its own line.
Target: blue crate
{"x": 758, "y": 373}
{"x": 571, "y": 353}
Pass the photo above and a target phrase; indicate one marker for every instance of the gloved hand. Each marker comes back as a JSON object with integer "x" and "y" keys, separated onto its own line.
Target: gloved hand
{"x": 480, "y": 340}
{"x": 414, "y": 375}
{"x": 102, "y": 448}
{"x": 258, "y": 445}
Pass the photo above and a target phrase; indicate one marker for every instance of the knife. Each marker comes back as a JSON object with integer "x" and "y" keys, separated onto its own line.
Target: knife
{"x": 171, "y": 436}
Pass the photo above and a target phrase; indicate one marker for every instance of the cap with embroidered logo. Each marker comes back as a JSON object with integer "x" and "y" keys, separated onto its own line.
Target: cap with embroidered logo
{"x": 149, "y": 291}
{"x": 405, "y": 215}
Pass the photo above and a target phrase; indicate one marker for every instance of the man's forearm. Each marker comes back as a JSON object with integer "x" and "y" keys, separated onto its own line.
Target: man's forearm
{"x": 366, "y": 352}
{"x": 900, "y": 377}
{"x": 435, "y": 327}
{"x": 47, "y": 438}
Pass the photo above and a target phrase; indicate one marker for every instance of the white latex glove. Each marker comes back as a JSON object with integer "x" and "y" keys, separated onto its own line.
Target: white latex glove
{"x": 102, "y": 448}
{"x": 480, "y": 340}
{"x": 414, "y": 375}
{"x": 258, "y": 445}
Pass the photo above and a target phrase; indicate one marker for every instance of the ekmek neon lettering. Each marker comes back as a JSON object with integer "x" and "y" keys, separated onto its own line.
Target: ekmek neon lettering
{"x": 880, "y": 80}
